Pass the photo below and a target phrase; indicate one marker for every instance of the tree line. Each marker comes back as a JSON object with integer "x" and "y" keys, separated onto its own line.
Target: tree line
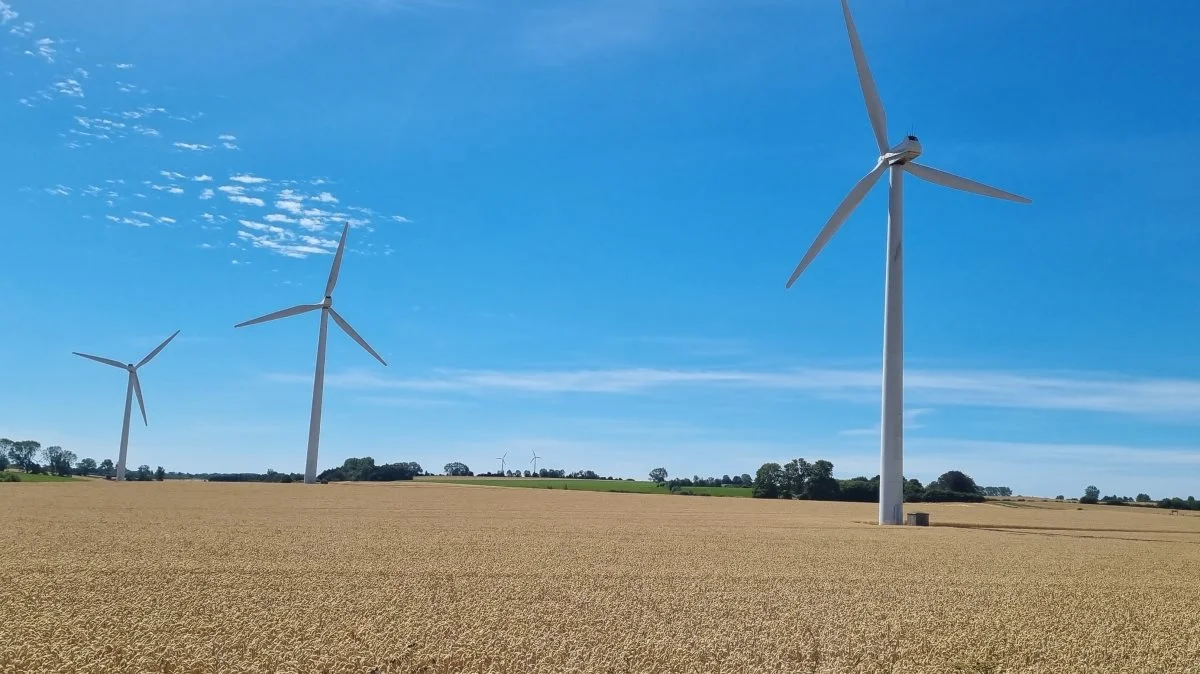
{"x": 460, "y": 469}
{"x": 1091, "y": 494}
{"x": 24, "y": 455}
{"x": 799, "y": 479}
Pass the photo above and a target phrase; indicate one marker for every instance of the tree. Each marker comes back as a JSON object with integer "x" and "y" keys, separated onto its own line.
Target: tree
{"x": 4, "y": 460}
{"x": 658, "y": 475}
{"x": 159, "y": 474}
{"x": 457, "y": 469}
{"x": 22, "y": 452}
{"x": 6, "y": 447}
{"x": 1143, "y": 498}
{"x": 143, "y": 473}
{"x": 1091, "y": 494}
{"x": 58, "y": 460}
{"x": 107, "y": 467}
{"x": 768, "y": 482}
{"x": 85, "y": 467}
{"x": 956, "y": 480}
{"x": 1059, "y": 497}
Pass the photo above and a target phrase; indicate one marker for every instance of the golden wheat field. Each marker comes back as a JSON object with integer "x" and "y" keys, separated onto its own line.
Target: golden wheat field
{"x": 196, "y": 577}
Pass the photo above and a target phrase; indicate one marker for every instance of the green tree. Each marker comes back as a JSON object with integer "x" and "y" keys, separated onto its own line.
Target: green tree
{"x": 955, "y": 480}
{"x": 58, "y": 460}
{"x": 457, "y": 469}
{"x": 6, "y": 447}
{"x": 768, "y": 482}
{"x": 159, "y": 474}
{"x": 143, "y": 473}
{"x": 1143, "y": 498}
{"x": 1091, "y": 494}
{"x": 107, "y": 467}
{"x": 658, "y": 475}
{"x": 820, "y": 485}
{"x": 22, "y": 452}
{"x": 4, "y": 460}
{"x": 85, "y": 467}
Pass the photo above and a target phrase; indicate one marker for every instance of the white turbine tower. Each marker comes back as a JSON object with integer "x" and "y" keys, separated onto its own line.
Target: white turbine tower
{"x": 327, "y": 312}
{"x": 134, "y": 387}
{"x": 501, "y": 460}
{"x": 896, "y": 160}
{"x": 534, "y": 461}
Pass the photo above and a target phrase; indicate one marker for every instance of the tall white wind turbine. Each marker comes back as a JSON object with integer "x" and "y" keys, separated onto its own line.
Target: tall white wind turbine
{"x": 501, "y": 460}
{"x": 534, "y": 461}
{"x": 134, "y": 387}
{"x": 897, "y": 160}
{"x": 327, "y": 312}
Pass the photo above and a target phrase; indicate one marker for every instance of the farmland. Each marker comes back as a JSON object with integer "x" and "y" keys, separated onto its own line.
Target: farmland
{"x": 424, "y": 577}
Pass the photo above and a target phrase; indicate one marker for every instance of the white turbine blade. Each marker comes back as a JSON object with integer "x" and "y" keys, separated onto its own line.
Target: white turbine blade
{"x": 874, "y": 105}
{"x": 337, "y": 262}
{"x": 137, "y": 390}
{"x": 98, "y": 359}
{"x": 154, "y": 353}
{"x": 853, "y": 199}
{"x": 283, "y": 313}
{"x": 959, "y": 183}
{"x": 354, "y": 335}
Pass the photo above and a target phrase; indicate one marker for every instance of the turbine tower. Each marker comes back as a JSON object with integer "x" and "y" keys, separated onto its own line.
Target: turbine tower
{"x": 327, "y": 312}
{"x": 134, "y": 387}
{"x": 896, "y": 160}
{"x": 501, "y": 460}
{"x": 534, "y": 461}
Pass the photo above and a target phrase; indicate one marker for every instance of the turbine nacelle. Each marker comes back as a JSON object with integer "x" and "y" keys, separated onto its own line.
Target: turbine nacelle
{"x": 905, "y": 151}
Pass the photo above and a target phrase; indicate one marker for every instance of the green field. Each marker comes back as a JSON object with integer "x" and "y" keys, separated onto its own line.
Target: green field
{"x": 623, "y": 486}
{"x": 40, "y": 477}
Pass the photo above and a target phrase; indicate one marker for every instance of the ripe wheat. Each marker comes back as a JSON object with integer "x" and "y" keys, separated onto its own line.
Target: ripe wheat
{"x": 196, "y": 577}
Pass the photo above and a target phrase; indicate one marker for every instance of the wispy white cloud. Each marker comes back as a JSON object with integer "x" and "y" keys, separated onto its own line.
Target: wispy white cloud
{"x": 69, "y": 87}
{"x": 203, "y": 178}
{"x": 7, "y": 13}
{"x": 123, "y": 66}
{"x": 194, "y": 147}
{"x": 207, "y": 194}
{"x": 45, "y": 49}
{"x": 248, "y": 201}
{"x": 1152, "y": 397}
{"x": 325, "y": 198}
{"x": 22, "y": 29}
{"x": 248, "y": 179}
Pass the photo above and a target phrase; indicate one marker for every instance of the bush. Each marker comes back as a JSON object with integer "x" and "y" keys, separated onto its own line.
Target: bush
{"x": 1090, "y": 500}
{"x": 9, "y": 477}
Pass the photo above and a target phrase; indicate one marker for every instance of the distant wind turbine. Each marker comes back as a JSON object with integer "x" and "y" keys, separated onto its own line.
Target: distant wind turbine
{"x": 897, "y": 160}
{"x": 534, "y": 461}
{"x": 327, "y": 312}
{"x": 501, "y": 460}
{"x": 134, "y": 387}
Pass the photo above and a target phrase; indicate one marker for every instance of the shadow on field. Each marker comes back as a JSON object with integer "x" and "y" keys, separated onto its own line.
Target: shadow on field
{"x": 1072, "y": 532}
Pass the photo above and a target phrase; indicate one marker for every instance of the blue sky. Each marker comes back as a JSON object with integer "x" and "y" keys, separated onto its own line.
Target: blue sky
{"x": 572, "y": 226}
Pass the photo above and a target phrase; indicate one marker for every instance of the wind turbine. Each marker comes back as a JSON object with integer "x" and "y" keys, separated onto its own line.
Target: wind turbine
{"x": 327, "y": 312}
{"x": 897, "y": 160}
{"x": 501, "y": 460}
{"x": 534, "y": 461}
{"x": 134, "y": 387}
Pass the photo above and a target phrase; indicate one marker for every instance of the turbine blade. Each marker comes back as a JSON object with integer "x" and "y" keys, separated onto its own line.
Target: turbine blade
{"x": 98, "y": 359}
{"x": 154, "y": 353}
{"x": 137, "y": 390}
{"x": 853, "y": 199}
{"x": 337, "y": 262}
{"x": 874, "y": 105}
{"x": 282, "y": 313}
{"x": 959, "y": 183}
{"x": 337, "y": 318}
